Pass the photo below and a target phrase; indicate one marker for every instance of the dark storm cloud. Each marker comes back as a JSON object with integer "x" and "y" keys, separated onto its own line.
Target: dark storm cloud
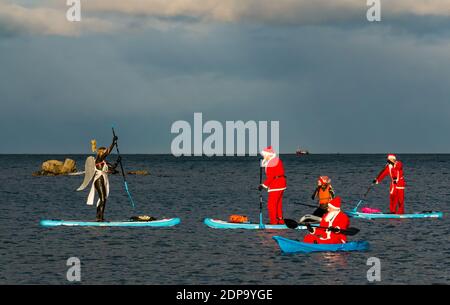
{"x": 344, "y": 87}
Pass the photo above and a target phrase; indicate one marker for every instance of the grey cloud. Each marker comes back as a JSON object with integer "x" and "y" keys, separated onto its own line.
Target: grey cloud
{"x": 116, "y": 16}
{"x": 333, "y": 89}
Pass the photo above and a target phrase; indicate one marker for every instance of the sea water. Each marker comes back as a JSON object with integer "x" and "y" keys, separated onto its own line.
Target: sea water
{"x": 192, "y": 188}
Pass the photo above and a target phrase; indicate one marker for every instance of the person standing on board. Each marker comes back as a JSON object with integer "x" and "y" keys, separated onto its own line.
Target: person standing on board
{"x": 335, "y": 220}
{"x": 96, "y": 170}
{"x": 324, "y": 192}
{"x": 275, "y": 184}
{"x": 394, "y": 169}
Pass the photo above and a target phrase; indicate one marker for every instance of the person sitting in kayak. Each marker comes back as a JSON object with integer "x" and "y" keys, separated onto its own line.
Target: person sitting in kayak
{"x": 394, "y": 169}
{"x": 324, "y": 192}
{"x": 275, "y": 184}
{"x": 335, "y": 220}
{"x": 97, "y": 171}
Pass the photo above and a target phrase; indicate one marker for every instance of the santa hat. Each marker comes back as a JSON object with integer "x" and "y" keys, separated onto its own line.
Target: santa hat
{"x": 323, "y": 180}
{"x": 392, "y": 157}
{"x": 268, "y": 151}
{"x": 335, "y": 203}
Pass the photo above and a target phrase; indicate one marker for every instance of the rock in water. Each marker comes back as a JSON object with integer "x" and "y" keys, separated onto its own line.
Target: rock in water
{"x": 68, "y": 167}
{"x": 55, "y": 168}
{"x": 52, "y": 167}
{"x": 139, "y": 173}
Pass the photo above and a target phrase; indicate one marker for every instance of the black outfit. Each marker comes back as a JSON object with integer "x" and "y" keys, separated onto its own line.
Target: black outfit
{"x": 321, "y": 210}
{"x": 100, "y": 185}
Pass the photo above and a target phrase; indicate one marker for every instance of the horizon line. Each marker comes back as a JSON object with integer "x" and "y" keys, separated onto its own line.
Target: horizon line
{"x": 290, "y": 153}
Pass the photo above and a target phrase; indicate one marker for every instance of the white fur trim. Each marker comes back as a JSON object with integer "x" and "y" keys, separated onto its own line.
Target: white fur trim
{"x": 276, "y": 190}
{"x": 331, "y": 216}
{"x": 392, "y": 158}
{"x": 265, "y": 163}
{"x": 334, "y": 207}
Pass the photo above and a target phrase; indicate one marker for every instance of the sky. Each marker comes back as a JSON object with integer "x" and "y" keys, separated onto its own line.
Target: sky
{"x": 334, "y": 81}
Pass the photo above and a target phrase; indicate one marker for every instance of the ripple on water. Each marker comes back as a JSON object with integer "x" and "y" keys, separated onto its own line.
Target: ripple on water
{"x": 191, "y": 253}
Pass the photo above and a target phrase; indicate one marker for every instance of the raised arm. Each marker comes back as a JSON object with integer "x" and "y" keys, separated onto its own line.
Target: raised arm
{"x": 111, "y": 147}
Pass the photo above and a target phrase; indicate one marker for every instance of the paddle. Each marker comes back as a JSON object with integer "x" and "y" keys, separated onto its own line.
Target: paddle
{"x": 364, "y": 197}
{"x": 292, "y": 224}
{"x": 261, "y": 225}
{"x": 306, "y": 205}
{"x": 123, "y": 172}
{"x": 367, "y": 192}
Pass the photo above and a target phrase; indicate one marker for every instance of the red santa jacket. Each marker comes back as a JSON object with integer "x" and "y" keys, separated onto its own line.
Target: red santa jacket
{"x": 275, "y": 177}
{"x": 396, "y": 173}
{"x": 337, "y": 220}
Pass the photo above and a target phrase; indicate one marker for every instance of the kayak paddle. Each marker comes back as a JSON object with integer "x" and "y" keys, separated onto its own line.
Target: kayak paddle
{"x": 292, "y": 224}
{"x": 306, "y": 205}
{"x": 123, "y": 172}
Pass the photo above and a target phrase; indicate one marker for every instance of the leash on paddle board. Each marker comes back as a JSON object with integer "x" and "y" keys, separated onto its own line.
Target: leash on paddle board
{"x": 123, "y": 172}
{"x": 261, "y": 225}
{"x": 292, "y": 224}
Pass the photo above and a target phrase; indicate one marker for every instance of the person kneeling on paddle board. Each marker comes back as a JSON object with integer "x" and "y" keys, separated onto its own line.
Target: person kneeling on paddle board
{"x": 96, "y": 170}
{"x": 324, "y": 192}
{"x": 275, "y": 184}
{"x": 397, "y": 189}
{"x": 335, "y": 220}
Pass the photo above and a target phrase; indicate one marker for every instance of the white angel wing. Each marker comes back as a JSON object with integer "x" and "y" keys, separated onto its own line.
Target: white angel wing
{"x": 89, "y": 168}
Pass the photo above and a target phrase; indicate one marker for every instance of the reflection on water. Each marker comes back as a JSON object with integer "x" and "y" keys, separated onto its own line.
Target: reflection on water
{"x": 334, "y": 260}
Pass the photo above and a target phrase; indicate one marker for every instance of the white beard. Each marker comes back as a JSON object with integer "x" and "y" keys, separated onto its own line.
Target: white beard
{"x": 264, "y": 163}
{"x": 330, "y": 216}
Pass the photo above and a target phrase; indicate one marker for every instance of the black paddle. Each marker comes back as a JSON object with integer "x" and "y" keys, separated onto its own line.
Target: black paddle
{"x": 364, "y": 197}
{"x": 123, "y": 172}
{"x": 306, "y": 205}
{"x": 368, "y": 190}
{"x": 373, "y": 183}
{"x": 292, "y": 224}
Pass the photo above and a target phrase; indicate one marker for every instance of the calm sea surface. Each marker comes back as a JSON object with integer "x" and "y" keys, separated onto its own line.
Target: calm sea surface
{"x": 411, "y": 251}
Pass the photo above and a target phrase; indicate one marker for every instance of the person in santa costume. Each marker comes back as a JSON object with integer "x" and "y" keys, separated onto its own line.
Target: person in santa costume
{"x": 394, "y": 169}
{"x": 335, "y": 220}
{"x": 275, "y": 184}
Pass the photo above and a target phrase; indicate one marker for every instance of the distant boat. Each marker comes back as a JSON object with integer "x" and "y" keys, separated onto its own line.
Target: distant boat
{"x": 301, "y": 152}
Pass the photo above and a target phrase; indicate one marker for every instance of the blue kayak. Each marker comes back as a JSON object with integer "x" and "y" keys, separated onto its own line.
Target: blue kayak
{"x": 356, "y": 214}
{"x": 169, "y": 222}
{"x": 220, "y": 224}
{"x": 294, "y": 246}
